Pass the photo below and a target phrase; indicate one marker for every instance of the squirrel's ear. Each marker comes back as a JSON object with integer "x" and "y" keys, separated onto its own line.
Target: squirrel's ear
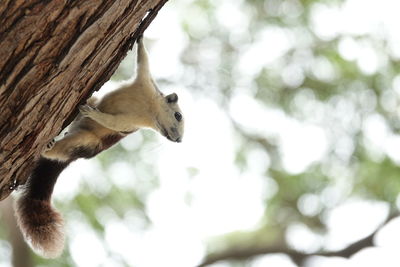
{"x": 172, "y": 98}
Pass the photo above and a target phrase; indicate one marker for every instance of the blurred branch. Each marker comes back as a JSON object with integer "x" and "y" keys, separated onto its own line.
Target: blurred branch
{"x": 21, "y": 256}
{"x": 268, "y": 145}
{"x": 247, "y": 252}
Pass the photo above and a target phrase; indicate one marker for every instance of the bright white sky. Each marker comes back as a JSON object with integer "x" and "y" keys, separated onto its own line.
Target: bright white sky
{"x": 180, "y": 231}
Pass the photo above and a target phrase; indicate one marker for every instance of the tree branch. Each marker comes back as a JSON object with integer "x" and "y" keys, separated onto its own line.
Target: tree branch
{"x": 298, "y": 257}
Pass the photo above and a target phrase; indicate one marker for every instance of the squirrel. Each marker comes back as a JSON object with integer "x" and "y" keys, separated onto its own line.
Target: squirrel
{"x": 100, "y": 124}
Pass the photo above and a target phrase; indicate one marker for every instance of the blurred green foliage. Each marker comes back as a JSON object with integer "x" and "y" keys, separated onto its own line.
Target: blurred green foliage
{"x": 319, "y": 80}
{"x": 309, "y": 80}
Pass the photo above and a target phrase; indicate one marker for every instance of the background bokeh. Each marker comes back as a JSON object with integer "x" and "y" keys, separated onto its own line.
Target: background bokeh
{"x": 291, "y": 143}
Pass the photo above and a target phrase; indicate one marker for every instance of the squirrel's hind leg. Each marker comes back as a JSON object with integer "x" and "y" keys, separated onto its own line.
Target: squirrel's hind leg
{"x": 79, "y": 144}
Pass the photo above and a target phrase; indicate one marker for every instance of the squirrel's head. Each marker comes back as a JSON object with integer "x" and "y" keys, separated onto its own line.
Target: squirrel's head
{"x": 169, "y": 121}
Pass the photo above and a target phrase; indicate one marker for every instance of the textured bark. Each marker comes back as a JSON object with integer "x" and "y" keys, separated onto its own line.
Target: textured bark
{"x": 53, "y": 55}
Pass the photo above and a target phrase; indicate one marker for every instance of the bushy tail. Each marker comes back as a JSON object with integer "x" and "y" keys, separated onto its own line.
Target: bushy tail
{"x": 39, "y": 222}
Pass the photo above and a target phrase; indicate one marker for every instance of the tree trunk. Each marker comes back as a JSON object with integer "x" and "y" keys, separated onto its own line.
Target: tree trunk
{"x": 21, "y": 255}
{"x": 53, "y": 56}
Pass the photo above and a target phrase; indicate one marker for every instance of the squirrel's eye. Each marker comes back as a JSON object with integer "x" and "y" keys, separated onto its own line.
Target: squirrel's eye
{"x": 178, "y": 116}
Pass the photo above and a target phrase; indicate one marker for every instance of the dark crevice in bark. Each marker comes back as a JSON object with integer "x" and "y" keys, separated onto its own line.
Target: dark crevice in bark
{"x": 15, "y": 15}
{"x": 82, "y": 25}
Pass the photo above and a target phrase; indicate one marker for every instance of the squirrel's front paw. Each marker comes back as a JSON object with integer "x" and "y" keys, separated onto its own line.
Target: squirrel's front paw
{"x": 88, "y": 111}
